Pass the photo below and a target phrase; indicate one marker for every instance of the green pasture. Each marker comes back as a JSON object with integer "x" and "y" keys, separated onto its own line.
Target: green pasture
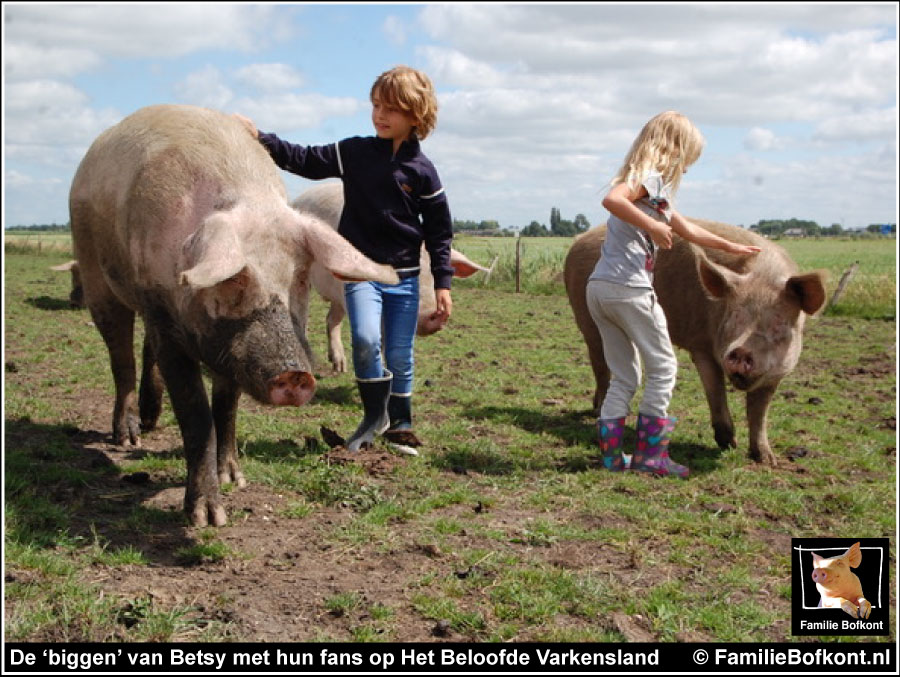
{"x": 871, "y": 292}
{"x": 519, "y": 534}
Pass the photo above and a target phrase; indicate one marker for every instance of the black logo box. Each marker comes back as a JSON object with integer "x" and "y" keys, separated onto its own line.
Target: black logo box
{"x": 873, "y": 572}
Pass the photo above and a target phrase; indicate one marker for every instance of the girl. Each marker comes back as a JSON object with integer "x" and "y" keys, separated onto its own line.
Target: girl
{"x": 620, "y": 290}
{"x": 393, "y": 201}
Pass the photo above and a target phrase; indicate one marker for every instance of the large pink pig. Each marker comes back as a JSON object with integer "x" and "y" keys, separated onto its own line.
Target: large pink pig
{"x": 325, "y": 201}
{"x": 739, "y": 317}
{"x": 179, "y": 216}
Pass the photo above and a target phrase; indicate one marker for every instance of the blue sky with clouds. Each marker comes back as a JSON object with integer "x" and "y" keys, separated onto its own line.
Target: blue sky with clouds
{"x": 538, "y": 102}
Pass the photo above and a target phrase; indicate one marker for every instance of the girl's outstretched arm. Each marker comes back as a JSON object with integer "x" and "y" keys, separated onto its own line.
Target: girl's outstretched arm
{"x": 704, "y": 238}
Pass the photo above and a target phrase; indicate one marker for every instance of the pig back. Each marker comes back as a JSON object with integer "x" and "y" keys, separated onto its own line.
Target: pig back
{"x": 146, "y": 184}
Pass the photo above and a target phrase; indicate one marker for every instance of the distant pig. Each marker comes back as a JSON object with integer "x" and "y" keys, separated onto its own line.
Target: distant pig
{"x": 76, "y": 294}
{"x": 326, "y": 201}
{"x": 180, "y": 216}
{"x": 740, "y": 317}
{"x": 838, "y": 586}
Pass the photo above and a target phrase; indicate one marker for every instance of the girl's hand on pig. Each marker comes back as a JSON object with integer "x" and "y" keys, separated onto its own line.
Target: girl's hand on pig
{"x": 745, "y": 249}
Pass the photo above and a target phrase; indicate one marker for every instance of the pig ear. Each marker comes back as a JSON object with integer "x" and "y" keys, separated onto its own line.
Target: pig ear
{"x": 464, "y": 267}
{"x": 816, "y": 559}
{"x": 210, "y": 273}
{"x": 854, "y": 555}
{"x": 65, "y": 267}
{"x": 808, "y": 290}
{"x": 211, "y": 255}
{"x": 718, "y": 281}
{"x": 337, "y": 255}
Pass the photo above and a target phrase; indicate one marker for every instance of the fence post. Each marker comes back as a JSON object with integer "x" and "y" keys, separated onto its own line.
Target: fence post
{"x": 518, "y": 260}
{"x": 845, "y": 280}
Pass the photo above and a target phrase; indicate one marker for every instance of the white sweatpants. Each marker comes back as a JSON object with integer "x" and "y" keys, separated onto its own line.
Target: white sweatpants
{"x": 634, "y": 330}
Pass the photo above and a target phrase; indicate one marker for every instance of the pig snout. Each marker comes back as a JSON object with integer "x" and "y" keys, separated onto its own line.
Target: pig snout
{"x": 292, "y": 388}
{"x": 428, "y": 325}
{"x": 739, "y": 367}
{"x": 820, "y": 576}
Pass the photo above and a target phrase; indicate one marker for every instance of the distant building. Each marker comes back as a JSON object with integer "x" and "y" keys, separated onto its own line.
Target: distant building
{"x": 794, "y": 232}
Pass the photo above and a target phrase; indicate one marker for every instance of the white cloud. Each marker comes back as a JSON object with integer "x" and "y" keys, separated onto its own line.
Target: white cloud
{"x": 205, "y": 87}
{"x": 287, "y": 112}
{"x": 50, "y": 120}
{"x": 728, "y": 64}
{"x": 154, "y": 30}
{"x": 270, "y": 77}
{"x": 762, "y": 139}
{"x": 394, "y": 30}
{"x": 24, "y": 60}
{"x": 857, "y": 127}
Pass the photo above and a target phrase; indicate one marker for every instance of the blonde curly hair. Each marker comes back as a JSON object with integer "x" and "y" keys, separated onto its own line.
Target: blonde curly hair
{"x": 410, "y": 91}
{"x": 669, "y": 143}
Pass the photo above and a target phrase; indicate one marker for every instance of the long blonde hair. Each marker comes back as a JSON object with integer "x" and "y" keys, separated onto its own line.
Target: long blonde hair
{"x": 411, "y": 91}
{"x": 669, "y": 143}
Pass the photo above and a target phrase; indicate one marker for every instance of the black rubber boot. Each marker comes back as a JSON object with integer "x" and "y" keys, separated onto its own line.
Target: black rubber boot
{"x": 400, "y": 434}
{"x": 374, "y": 394}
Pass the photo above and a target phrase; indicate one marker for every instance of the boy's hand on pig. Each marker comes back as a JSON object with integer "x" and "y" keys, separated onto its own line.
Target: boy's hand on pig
{"x": 247, "y": 123}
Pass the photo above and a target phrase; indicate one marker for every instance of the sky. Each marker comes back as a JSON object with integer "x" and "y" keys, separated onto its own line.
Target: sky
{"x": 539, "y": 103}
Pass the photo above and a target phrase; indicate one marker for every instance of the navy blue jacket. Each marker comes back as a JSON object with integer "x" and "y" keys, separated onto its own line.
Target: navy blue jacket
{"x": 391, "y": 203}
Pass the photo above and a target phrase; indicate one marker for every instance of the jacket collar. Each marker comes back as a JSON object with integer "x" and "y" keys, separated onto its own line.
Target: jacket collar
{"x": 409, "y": 148}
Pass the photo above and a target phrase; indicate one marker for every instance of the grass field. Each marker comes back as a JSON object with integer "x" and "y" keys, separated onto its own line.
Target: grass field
{"x": 871, "y": 292}
{"x": 505, "y": 528}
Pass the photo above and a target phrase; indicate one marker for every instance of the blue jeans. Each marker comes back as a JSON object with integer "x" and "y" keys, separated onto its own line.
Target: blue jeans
{"x": 384, "y": 315}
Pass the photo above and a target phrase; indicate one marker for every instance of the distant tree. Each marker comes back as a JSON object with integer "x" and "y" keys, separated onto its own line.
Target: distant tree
{"x": 777, "y": 227}
{"x": 555, "y": 219}
{"x": 44, "y": 227}
{"x": 563, "y": 227}
{"x": 581, "y": 223}
{"x": 535, "y": 229}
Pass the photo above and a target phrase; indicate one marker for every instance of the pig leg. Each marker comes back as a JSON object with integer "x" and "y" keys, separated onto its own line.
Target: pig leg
{"x": 188, "y": 395}
{"x": 225, "y": 396}
{"x": 115, "y": 322}
{"x": 855, "y": 611}
{"x": 757, "y": 410}
{"x": 713, "y": 379}
{"x": 595, "y": 353}
{"x": 335, "y": 346}
{"x": 865, "y": 608}
{"x": 601, "y": 376}
{"x": 151, "y": 392}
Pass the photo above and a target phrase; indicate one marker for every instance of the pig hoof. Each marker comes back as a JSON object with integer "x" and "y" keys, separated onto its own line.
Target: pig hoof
{"x": 204, "y": 514}
{"x": 198, "y": 516}
{"x": 217, "y": 516}
{"x": 724, "y": 437}
{"x": 864, "y": 608}
{"x": 765, "y": 458}
{"x": 128, "y": 434}
{"x": 235, "y": 478}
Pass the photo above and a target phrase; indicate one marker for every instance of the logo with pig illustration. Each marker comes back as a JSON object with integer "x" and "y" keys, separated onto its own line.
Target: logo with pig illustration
{"x": 840, "y": 587}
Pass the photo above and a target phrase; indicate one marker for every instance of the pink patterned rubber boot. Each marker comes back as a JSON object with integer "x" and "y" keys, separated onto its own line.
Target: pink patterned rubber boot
{"x": 652, "y": 454}
{"x": 609, "y": 434}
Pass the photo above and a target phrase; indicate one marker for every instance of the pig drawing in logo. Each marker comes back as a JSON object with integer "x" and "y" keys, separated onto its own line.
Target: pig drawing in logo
{"x": 839, "y": 586}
